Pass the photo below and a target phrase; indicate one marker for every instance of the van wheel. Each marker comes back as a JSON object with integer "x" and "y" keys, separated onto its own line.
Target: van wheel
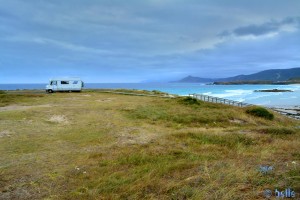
{"x": 50, "y": 91}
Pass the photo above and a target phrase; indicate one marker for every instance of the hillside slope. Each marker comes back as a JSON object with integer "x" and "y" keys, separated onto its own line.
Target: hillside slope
{"x": 267, "y": 75}
{"x": 94, "y": 145}
{"x": 193, "y": 79}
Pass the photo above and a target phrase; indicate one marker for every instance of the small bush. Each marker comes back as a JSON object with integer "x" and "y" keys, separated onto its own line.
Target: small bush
{"x": 260, "y": 112}
{"x": 190, "y": 101}
{"x": 157, "y": 92}
{"x": 2, "y": 92}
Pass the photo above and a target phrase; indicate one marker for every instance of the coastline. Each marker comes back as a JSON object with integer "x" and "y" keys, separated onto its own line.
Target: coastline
{"x": 290, "y": 111}
{"x": 282, "y": 101}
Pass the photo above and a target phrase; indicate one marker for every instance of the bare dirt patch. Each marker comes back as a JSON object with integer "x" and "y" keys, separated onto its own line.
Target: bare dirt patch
{"x": 72, "y": 98}
{"x": 59, "y": 119}
{"x": 237, "y": 121}
{"x": 135, "y": 135}
{"x": 18, "y": 107}
{"x": 5, "y": 133}
{"x": 105, "y": 100}
{"x": 244, "y": 132}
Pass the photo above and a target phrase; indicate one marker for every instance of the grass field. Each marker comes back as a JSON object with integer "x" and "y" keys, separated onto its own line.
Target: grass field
{"x": 95, "y": 145}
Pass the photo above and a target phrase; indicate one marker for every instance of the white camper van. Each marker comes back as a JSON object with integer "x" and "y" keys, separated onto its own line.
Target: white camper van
{"x": 65, "y": 84}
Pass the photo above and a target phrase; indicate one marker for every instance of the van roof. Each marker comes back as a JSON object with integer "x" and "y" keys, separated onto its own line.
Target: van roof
{"x": 66, "y": 79}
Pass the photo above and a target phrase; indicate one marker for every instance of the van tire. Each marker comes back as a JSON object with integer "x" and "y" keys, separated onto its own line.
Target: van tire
{"x": 50, "y": 91}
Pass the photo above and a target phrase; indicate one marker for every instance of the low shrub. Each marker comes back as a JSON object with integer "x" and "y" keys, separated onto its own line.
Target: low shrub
{"x": 157, "y": 92}
{"x": 190, "y": 101}
{"x": 260, "y": 112}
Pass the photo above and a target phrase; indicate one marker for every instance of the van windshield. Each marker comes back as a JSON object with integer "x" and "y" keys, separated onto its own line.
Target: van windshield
{"x": 53, "y": 83}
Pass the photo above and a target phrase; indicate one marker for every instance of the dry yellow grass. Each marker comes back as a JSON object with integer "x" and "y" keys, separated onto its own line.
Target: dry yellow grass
{"x": 94, "y": 145}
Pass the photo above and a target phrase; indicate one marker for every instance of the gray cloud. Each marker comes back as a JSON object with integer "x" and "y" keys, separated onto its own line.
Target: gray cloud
{"x": 141, "y": 38}
{"x": 265, "y": 28}
{"x": 257, "y": 29}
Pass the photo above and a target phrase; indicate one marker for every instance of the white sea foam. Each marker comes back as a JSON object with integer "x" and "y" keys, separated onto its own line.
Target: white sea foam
{"x": 285, "y": 98}
{"x": 264, "y": 103}
{"x": 207, "y": 93}
{"x": 263, "y": 95}
{"x": 240, "y": 100}
{"x": 233, "y": 93}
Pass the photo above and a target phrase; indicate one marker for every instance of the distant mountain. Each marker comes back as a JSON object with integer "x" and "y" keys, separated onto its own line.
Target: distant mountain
{"x": 193, "y": 79}
{"x": 267, "y": 75}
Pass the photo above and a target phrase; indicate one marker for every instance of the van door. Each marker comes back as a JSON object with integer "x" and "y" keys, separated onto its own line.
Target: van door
{"x": 65, "y": 85}
{"x": 75, "y": 85}
{"x": 54, "y": 85}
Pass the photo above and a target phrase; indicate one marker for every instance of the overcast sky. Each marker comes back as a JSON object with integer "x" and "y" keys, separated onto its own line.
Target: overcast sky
{"x": 137, "y": 40}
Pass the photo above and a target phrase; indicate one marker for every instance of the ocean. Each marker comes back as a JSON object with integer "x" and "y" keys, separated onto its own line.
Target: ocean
{"x": 243, "y": 93}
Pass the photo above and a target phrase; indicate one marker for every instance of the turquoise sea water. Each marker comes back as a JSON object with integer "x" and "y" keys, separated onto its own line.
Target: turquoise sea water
{"x": 243, "y": 93}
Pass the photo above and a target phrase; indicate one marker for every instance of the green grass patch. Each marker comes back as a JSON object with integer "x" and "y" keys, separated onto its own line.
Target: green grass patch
{"x": 7, "y": 99}
{"x": 85, "y": 137}
{"x": 145, "y": 170}
{"x": 277, "y": 131}
{"x": 134, "y": 147}
{"x": 23, "y": 146}
{"x": 228, "y": 140}
{"x": 169, "y": 156}
{"x": 13, "y": 115}
{"x": 149, "y": 112}
{"x": 195, "y": 115}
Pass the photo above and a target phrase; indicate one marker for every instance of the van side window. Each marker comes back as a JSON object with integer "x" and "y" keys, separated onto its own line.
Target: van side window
{"x": 53, "y": 83}
{"x": 75, "y": 82}
{"x": 64, "y": 82}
